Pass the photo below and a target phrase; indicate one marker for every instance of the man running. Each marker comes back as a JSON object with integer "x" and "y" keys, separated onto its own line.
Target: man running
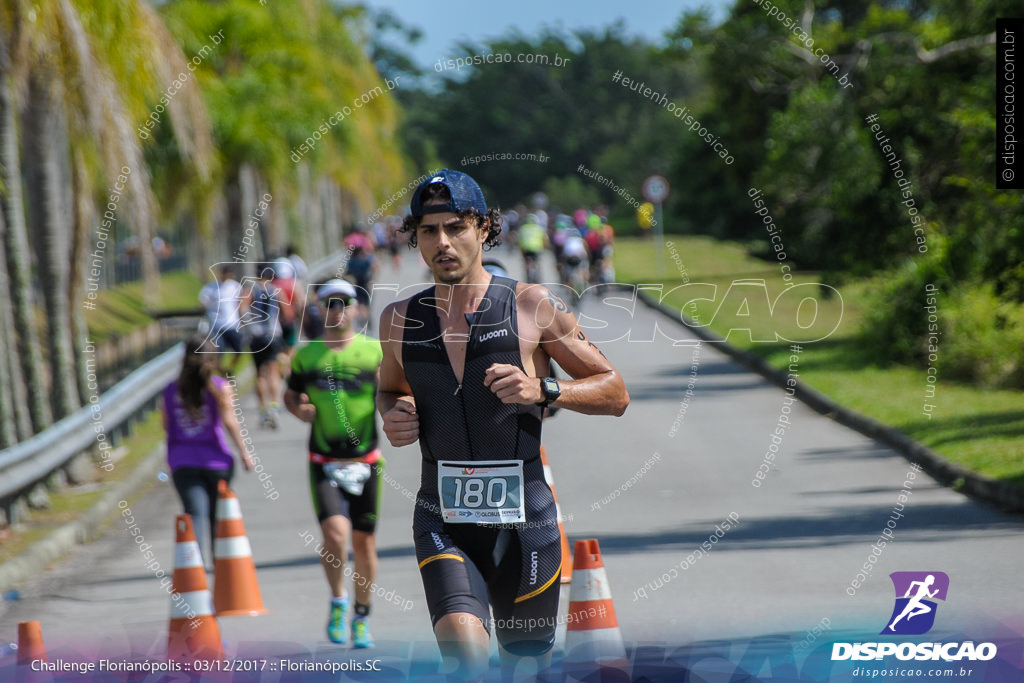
{"x": 332, "y": 386}
{"x": 262, "y": 322}
{"x": 466, "y": 372}
{"x": 221, "y": 298}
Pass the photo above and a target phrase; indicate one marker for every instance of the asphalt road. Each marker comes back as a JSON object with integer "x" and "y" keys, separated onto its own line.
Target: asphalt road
{"x": 651, "y": 486}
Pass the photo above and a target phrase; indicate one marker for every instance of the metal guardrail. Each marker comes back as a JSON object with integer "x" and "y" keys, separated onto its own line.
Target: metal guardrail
{"x": 26, "y": 464}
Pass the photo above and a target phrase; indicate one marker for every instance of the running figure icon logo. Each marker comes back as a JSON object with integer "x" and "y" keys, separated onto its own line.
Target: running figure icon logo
{"x": 916, "y": 592}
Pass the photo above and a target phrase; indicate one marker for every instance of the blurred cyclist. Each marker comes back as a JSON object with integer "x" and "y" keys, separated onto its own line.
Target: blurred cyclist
{"x": 532, "y": 241}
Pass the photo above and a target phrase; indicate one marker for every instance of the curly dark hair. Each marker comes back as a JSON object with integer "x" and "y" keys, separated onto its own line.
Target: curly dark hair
{"x": 438, "y": 191}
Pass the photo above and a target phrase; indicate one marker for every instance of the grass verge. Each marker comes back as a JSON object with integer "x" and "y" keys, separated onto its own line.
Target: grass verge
{"x": 979, "y": 429}
{"x": 120, "y": 310}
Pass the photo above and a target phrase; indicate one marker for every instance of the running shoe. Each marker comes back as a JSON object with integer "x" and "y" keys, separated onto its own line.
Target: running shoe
{"x": 336, "y": 624}
{"x": 361, "y": 632}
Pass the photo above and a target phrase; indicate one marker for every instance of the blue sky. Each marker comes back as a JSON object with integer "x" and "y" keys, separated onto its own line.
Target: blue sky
{"x": 478, "y": 19}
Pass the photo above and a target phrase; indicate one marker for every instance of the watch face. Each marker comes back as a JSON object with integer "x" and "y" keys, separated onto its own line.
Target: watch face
{"x": 550, "y": 385}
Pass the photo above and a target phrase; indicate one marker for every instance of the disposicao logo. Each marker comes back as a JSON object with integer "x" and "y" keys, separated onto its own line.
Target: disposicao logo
{"x": 914, "y": 612}
{"x": 912, "y": 615}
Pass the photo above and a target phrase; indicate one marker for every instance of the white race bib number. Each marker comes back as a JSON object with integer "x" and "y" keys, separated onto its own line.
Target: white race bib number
{"x": 350, "y": 476}
{"x": 474, "y": 492}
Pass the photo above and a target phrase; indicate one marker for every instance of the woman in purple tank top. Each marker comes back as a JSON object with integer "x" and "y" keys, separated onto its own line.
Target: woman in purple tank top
{"x": 198, "y": 412}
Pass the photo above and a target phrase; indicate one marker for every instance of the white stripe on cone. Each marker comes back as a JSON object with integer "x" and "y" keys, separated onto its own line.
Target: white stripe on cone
{"x": 598, "y": 646}
{"x": 193, "y": 604}
{"x": 228, "y": 508}
{"x": 589, "y": 584}
{"x": 547, "y": 476}
{"x": 232, "y": 546}
{"x": 186, "y": 555}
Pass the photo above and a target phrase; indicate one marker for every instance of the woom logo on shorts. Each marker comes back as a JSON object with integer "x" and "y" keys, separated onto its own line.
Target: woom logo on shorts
{"x": 914, "y": 614}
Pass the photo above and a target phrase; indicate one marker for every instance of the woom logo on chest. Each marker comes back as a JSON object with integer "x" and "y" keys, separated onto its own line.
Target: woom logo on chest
{"x": 492, "y": 334}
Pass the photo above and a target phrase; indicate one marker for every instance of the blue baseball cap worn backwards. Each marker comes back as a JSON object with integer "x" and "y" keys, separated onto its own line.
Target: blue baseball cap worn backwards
{"x": 466, "y": 194}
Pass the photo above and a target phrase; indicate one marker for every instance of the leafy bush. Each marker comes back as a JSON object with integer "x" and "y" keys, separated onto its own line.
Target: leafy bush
{"x": 895, "y": 327}
{"x": 983, "y": 339}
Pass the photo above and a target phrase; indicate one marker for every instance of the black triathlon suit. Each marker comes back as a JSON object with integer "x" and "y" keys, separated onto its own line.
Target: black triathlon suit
{"x": 515, "y": 566}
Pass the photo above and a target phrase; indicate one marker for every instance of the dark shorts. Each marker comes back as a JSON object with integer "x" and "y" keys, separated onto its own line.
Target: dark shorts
{"x": 363, "y": 291}
{"x": 229, "y": 340}
{"x": 463, "y": 576}
{"x": 573, "y": 261}
{"x": 264, "y": 349}
{"x": 330, "y": 500}
{"x": 289, "y": 333}
{"x": 516, "y": 571}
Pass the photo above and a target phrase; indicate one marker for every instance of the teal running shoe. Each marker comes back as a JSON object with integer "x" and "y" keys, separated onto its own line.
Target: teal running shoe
{"x": 361, "y": 632}
{"x": 336, "y": 632}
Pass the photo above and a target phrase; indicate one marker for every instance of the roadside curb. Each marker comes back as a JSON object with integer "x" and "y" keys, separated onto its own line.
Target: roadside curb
{"x": 85, "y": 528}
{"x": 1004, "y": 496}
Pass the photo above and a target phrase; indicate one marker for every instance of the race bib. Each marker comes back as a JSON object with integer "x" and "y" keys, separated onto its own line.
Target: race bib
{"x": 350, "y": 476}
{"x": 489, "y": 492}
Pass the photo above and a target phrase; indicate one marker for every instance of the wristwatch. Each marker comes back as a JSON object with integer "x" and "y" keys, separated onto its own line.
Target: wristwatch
{"x": 549, "y": 385}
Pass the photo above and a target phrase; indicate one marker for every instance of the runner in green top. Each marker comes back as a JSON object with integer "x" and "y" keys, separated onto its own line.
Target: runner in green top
{"x": 332, "y": 386}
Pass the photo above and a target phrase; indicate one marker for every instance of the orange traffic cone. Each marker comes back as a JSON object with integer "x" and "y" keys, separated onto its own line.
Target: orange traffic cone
{"x": 193, "y": 631}
{"x": 30, "y": 642}
{"x": 566, "y": 557}
{"x": 593, "y": 642}
{"x": 236, "y": 592}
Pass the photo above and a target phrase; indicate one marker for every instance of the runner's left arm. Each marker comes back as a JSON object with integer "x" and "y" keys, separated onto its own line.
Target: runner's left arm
{"x": 596, "y": 387}
{"x": 226, "y": 409}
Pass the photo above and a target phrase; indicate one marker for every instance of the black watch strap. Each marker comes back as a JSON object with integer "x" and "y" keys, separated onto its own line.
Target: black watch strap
{"x": 551, "y": 394}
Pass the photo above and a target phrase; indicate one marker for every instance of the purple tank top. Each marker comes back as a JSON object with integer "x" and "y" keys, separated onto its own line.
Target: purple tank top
{"x": 195, "y": 442}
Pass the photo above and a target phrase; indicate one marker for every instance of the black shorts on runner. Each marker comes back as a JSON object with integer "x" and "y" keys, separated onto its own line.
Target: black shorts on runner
{"x": 363, "y": 292}
{"x": 516, "y": 568}
{"x": 264, "y": 350}
{"x": 463, "y": 576}
{"x": 330, "y": 500}
{"x": 229, "y": 340}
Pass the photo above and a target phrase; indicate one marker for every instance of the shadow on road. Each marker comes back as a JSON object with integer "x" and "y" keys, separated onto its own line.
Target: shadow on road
{"x": 924, "y": 523}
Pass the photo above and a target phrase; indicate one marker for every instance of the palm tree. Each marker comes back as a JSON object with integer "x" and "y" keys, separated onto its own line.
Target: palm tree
{"x": 267, "y": 97}
{"x": 46, "y": 147}
{"x": 84, "y": 72}
{"x": 8, "y": 401}
{"x": 23, "y": 337}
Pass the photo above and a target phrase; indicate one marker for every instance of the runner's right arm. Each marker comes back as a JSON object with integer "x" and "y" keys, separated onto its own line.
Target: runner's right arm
{"x": 395, "y": 402}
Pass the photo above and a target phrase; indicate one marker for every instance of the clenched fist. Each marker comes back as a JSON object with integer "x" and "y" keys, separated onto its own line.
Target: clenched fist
{"x": 401, "y": 423}
{"x": 510, "y": 384}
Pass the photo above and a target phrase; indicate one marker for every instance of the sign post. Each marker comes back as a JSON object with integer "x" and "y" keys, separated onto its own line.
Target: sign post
{"x": 655, "y": 190}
